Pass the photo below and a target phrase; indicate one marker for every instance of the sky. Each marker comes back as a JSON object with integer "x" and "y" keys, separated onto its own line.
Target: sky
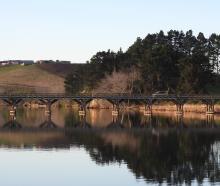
{"x": 75, "y": 30}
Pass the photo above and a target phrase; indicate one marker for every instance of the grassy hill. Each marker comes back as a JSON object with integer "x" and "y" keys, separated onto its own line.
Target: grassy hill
{"x": 33, "y": 78}
{"x": 58, "y": 69}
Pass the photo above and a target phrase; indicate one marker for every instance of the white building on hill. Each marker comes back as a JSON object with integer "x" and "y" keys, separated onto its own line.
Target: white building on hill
{"x": 16, "y": 62}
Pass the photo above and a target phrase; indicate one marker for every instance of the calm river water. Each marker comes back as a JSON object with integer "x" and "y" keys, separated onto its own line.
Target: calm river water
{"x": 130, "y": 150}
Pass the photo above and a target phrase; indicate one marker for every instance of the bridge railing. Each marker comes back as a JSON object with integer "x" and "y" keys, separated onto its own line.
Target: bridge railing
{"x": 110, "y": 95}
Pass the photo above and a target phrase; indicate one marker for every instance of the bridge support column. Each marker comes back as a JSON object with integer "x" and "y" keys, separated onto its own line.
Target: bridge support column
{"x": 12, "y": 104}
{"x": 48, "y": 109}
{"x": 82, "y": 103}
{"x": 179, "y": 108}
{"x": 179, "y": 119}
{"x": 210, "y": 108}
{"x": 82, "y": 120}
{"x": 115, "y": 119}
{"x": 48, "y": 113}
{"x": 148, "y": 110}
{"x": 115, "y": 111}
{"x": 82, "y": 110}
{"x": 210, "y": 119}
{"x": 12, "y": 123}
{"x": 147, "y": 120}
{"x": 12, "y": 112}
{"x": 82, "y": 113}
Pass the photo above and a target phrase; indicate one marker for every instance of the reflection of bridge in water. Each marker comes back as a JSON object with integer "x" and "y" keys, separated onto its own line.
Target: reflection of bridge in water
{"x": 155, "y": 155}
{"x": 115, "y": 99}
{"x": 125, "y": 120}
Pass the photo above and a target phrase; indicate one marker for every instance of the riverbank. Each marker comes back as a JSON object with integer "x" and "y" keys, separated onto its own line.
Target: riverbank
{"x": 196, "y": 108}
{"x": 163, "y": 107}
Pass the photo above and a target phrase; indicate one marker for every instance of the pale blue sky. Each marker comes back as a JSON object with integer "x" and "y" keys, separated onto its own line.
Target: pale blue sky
{"x": 75, "y": 30}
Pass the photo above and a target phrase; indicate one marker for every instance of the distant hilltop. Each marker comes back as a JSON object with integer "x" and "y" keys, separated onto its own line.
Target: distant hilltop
{"x": 31, "y": 62}
{"x": 34, "y": 78}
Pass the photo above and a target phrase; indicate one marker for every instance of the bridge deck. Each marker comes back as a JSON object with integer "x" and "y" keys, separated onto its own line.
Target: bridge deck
{"x": 109, "y": 96}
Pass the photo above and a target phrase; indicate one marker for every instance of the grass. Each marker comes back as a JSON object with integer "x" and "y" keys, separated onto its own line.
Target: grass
{"x": 59, "y": 69}
{"x": 6, "y": 69}
{"x": 31, "y": 78}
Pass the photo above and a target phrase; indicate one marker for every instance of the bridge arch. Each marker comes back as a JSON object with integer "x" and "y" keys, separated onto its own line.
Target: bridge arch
{"x": 98, "y": 103}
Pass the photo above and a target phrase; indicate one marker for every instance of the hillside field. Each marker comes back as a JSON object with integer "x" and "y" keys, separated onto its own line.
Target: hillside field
{"x": 34, "y": 78}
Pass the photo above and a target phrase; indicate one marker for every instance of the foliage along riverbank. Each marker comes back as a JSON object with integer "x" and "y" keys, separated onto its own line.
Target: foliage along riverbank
{"x": 178, "y": 61}
{"x": 195, "y": 108}
{"x": 163, "y": 107}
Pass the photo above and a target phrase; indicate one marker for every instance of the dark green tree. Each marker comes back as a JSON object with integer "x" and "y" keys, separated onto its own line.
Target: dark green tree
{"x": 214, "y": 51}
{"x": 176, "y": 61}
{"x": 74, "y": 83}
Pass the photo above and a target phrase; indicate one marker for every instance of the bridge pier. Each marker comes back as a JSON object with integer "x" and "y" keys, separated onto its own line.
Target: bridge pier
{"x": 48, "y": 110}
{"x": 82, "y": 113}
{"x": 210, "y": 108}
{"x": 115, "y": 111}
{"x": 148, "y": 109}
{"x": 82, "y": 120}
{"x": 82, "y": 109}
{"x": 210, "y": 119}
{"x": 179, "y": 119}
{"x": 12, "y": 112}
{"x": 179, "y": 108}
{"x": 12, "y": 104}
{"x": 147, "y": 120}
{"x": 48, "y": 123}
{"x": 115, "y": 119}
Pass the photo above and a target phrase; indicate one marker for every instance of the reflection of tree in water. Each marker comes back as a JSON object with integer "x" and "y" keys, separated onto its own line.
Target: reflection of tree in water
{"x": 174, "y": 157}
{"x": 127, "y": 120}
{"x": 73, "y": 120}
{"x": 48, "y": 124}
{"x": 132, "y": 119}
{"x": 135, "y": 120}
{"x": 12, "y": 124}
{"x": 138, "y": 120}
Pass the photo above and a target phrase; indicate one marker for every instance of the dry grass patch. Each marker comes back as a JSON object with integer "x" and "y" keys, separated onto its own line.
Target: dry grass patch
{"x": 31, "y": 76}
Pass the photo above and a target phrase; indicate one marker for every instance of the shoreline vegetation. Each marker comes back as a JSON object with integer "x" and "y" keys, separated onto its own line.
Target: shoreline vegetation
{"x": 178, "y": 62}
{"x": 194, "y": 108}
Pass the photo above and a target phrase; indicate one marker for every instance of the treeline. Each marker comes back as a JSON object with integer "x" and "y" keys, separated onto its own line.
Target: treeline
{"x": 177, "y": 61}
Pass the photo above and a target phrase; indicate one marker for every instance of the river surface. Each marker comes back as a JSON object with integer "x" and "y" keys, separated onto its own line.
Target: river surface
{"x": 129, "y": 150}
